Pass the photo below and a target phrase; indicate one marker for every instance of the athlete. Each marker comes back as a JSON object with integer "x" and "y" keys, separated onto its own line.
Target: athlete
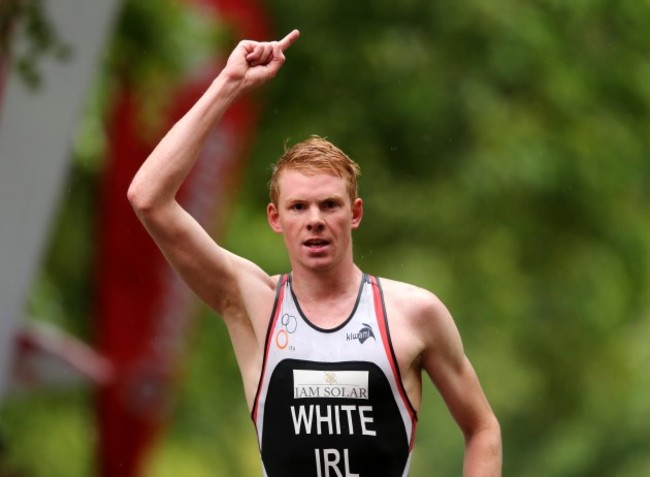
{"x": 331, "y": 358}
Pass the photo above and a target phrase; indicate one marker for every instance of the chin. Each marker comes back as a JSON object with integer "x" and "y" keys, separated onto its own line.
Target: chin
{"x": 318, "y": 265}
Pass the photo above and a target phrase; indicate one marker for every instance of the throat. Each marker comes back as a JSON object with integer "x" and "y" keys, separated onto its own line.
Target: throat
{"x": 327, "y": 305}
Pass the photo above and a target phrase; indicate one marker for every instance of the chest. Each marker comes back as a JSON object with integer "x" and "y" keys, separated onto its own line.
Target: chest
{"x": 336, "y": 335}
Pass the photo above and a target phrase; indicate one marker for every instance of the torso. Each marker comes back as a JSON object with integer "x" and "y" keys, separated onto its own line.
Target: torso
{"x": 309, "y": 425}
{"x": 248, "y": 333}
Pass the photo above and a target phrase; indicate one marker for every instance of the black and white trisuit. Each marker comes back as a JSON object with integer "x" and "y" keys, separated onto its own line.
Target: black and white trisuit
{"x": 330, "y": 402}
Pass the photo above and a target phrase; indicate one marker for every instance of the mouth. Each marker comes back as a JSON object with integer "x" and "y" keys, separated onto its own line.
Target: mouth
{"x": 316, "y": 245}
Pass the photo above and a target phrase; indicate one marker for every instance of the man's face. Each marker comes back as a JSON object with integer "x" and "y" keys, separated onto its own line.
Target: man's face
{"x": 316, "y": 217}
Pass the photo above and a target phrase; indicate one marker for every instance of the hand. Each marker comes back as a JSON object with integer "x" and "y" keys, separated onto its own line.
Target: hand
{"x": 253, "y": 63}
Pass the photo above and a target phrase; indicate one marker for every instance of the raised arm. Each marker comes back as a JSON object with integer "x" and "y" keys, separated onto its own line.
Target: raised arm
{"x": 212, "y": 272}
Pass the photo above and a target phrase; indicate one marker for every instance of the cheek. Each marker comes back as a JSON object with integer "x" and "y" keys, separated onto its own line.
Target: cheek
{"x": 290, "y": 228}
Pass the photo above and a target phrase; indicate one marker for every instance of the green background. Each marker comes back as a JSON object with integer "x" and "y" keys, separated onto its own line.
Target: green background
{"x": 506, "y": 167}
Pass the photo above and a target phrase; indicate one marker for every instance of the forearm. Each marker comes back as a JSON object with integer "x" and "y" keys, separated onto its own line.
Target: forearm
{"x": 250, "y": 65}
{"x": 483, "y": 453}
{"x": 161, "y": 175}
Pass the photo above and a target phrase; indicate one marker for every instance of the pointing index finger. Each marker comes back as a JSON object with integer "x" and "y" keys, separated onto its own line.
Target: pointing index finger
{"x": 289, "y": 40}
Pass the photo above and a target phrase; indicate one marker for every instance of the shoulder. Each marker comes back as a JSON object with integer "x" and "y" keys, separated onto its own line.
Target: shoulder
{"x": 421, "y": 317}
{"x": 414, "y": 303}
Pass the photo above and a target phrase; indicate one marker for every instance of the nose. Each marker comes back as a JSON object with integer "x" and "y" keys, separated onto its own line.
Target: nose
{"x": 315, "y": 221}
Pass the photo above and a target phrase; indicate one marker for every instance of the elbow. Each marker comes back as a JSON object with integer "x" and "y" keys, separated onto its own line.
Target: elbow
{"x": 134, "y": 196}
{"x": 139, "y": 200}
{"x": 488, "y": 429}
{"x": 493, "y": 427}
{"x": 150, "y": 207}
{"x": 484, "y": 450}
{"x": 496, "y": 433}
{"x": 490, "y": 435}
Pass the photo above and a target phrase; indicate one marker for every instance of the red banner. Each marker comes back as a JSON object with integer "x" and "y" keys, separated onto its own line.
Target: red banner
{"x": 144, "y": 309}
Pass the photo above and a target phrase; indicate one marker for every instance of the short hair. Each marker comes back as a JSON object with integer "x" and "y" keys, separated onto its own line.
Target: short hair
{"x": 316, "y": 155}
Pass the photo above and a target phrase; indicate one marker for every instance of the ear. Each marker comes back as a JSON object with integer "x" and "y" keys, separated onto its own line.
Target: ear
{"x": 357, "y": 212}
{"x": 273, "y": 216}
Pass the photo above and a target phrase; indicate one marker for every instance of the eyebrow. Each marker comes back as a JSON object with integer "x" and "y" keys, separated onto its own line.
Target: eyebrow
{"x": 335, "y": 197}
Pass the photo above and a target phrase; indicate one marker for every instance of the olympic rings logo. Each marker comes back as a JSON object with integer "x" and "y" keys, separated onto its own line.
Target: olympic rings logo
{"x": 289, "y": 325}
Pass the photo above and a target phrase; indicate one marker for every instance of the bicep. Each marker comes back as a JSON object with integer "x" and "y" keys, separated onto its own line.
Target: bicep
{"x": 452, "y": 373}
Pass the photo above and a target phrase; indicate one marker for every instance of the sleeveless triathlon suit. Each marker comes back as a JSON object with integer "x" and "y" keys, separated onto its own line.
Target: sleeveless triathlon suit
{"x": 330, "y": 402}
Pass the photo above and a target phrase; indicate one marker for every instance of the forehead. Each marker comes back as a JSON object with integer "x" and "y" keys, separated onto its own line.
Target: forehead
{"x": 296, "y": 185}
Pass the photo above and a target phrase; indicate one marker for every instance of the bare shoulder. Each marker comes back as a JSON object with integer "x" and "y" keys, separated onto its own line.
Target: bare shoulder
{"x": 420, "y": 321}
{"x": 413, "y": 303}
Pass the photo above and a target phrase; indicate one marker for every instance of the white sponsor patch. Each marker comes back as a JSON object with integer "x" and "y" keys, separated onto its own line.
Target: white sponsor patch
{"x": 309, "y": 383}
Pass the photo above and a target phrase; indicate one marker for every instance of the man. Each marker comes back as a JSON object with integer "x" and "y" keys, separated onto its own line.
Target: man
{"x": 331, "y": 358}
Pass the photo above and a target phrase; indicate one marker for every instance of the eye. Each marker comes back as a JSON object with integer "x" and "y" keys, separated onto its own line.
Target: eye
{"x": 330, "y": 204}
{"x": 297, "y": 206}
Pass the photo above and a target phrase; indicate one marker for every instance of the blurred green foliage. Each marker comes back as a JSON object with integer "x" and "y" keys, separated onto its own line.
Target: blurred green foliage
{"x": 506, "y": 167}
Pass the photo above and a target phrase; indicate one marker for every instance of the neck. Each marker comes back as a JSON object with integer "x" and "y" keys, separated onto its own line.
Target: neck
{"x": 316, "y": 285}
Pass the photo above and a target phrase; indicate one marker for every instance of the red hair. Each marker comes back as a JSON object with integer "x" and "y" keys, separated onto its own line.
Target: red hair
{"x": 316, "y": 155}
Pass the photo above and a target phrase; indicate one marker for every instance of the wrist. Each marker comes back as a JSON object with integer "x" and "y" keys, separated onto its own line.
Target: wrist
{"x": 226, "y": 87}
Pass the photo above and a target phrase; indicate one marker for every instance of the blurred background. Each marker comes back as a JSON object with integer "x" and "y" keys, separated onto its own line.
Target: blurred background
{"x": 505, "y": 150}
